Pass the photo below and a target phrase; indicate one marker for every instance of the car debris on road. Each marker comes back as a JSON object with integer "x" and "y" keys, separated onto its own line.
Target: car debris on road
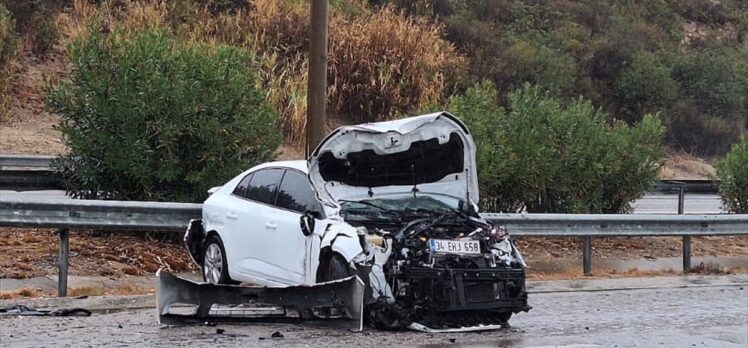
{"x": 21, "y": 310}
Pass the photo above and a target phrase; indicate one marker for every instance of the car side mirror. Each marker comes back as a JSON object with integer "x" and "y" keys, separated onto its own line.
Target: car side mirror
{"x": 307, "y": 221}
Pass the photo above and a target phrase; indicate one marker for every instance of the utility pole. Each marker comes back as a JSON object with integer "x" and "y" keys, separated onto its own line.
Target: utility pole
{"x": 317, "y": 88}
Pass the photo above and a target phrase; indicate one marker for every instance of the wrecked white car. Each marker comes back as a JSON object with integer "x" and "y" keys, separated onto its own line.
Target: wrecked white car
{"x": 391, "y": 202}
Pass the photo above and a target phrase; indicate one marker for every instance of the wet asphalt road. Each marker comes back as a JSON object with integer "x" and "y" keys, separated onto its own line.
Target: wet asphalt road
{"x": 708, "y": 316}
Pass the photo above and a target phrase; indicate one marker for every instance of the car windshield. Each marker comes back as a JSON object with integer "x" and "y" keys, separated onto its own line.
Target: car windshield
{"x": 401, "y": 205}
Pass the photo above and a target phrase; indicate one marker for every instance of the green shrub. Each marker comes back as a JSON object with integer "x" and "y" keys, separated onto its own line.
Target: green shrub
{"x": 8, "y": 43}
{"x": 45, "y": 33}
{"x": 732, "y": 171}
{"x": 530, "y": 62}
{"x": 8, "y": 39}
{"x": 545, "y": 157}
{"x": 147, "y": 117}
{"x": 717, "y": 80}
{"x": 691, "y": 131}
{"x": 629, "y": 57}
{"x": 704, "y": 11}
{"x": 645, "y": 86}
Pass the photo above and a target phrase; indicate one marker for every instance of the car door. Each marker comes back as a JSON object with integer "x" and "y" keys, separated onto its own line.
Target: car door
{"x": 249, "y": 221}
{"x": 287, "y": 247}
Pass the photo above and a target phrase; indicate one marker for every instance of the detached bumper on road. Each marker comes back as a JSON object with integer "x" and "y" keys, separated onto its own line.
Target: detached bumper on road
{"x": 247, "y": 303}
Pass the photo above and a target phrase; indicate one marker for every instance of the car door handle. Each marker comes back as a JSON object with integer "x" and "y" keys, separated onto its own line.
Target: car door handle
{"x": 271, "y": 225}
{"x": 232, "y": 215}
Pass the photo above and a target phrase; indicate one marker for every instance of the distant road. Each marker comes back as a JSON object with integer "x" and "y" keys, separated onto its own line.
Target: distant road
{"x": 650, "y": 204}
{"x": 668, "y": 204}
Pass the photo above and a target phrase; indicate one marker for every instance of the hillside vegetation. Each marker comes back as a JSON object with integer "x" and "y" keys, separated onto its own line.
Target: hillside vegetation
{"x": 687, "y": 60}
{"x": 597, "y": 84}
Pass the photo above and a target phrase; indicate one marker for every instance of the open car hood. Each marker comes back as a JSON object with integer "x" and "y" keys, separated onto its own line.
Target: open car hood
{"x": 433, "y": 153}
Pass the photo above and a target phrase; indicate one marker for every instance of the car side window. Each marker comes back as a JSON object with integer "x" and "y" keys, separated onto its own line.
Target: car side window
{"x": 264, "y": 184}
{"x": 241, "y": 189}
{"x": 296, "y": 193}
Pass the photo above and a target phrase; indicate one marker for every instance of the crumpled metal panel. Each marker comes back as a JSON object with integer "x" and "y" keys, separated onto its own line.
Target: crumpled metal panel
{"x": 266, "y": 303}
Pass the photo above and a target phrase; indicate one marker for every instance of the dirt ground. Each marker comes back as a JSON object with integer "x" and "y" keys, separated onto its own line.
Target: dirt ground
{"x": 28, "y": 128}
{"x": 30, "y": 253}
{"x": 27, "y": 253}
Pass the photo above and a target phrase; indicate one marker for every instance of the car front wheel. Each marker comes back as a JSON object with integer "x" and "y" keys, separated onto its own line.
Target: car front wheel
{"x": 335, "y": 268}
{"x": 215, "y": 266}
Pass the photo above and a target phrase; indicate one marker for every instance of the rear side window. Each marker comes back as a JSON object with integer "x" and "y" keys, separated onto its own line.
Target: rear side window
{"x": 263, "y": 185}
{"x": 241, "y": 189}
{"x": 296, "y": 193}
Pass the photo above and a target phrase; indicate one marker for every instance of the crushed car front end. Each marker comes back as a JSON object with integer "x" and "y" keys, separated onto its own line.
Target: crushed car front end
{"x": 437, "y": 269}
{"x": 409, "y": 187}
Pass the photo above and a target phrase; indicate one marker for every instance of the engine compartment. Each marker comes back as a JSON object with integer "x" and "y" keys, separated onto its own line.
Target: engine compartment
{"x": 414, "y": 283}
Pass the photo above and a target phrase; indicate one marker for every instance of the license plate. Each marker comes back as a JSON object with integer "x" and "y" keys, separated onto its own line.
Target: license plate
{"x": 455, "y": 246}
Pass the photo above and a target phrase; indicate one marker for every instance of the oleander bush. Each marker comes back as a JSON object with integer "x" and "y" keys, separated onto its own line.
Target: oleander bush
{"x": 732, "y": 171}
{"x": 544, "y": 156}
{"x": 147, "y": 116}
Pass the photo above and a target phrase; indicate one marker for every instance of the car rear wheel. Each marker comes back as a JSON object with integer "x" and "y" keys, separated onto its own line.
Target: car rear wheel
{"x": 215, "y": 266}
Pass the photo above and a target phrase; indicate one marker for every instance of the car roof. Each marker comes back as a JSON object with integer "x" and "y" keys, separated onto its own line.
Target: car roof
{"x": 293, "y": 164}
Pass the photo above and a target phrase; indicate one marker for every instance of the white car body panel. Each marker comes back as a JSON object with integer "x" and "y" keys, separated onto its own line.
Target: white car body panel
{"x": 252, "y": 251}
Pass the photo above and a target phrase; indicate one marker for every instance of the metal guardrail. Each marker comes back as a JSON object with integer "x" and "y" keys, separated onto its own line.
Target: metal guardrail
{"x": 588, "y": 226}
{"x": 691, "y": 186}
{"x": 28, "y": 173}
{"x": 29, "y": 161}
{"x": 66, "y": 214}
{"x": 97, "y": 214}
{"x": 623, "y": 225}
{"x": 154, "y": 216}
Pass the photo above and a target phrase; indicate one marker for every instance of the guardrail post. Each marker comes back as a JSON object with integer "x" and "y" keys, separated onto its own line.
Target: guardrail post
{"x": 62, "y": 275}
{"x": 587, "y": 255}
{"x": 686, "y": 239}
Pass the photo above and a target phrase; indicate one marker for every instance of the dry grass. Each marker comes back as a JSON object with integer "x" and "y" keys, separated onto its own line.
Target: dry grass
{"x": 21, "y": 293}
{"x": 381, "y": 63}
{"x": 28, "y": 253}
{"x": 684, "y": 166}
{"x": 86, "y": 291}
{"x": 6, "y": 74}
{"x": 713, "y": 268}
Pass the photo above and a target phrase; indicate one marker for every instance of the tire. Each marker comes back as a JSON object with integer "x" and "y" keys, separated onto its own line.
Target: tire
{"x": 334, "y": 268}
{"x": 505, "y": 316}
{"x": 215, "y": 267}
